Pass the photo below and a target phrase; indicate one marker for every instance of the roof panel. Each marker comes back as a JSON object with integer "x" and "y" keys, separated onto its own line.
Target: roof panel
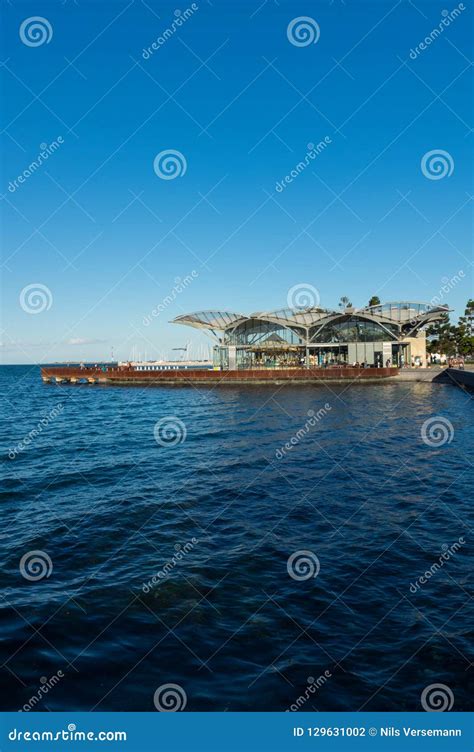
{"x": 404, "y": 311}
{"x": 219, "y": 320}
{"x": 295, "y": 316}
{"x": 398, "y": 312}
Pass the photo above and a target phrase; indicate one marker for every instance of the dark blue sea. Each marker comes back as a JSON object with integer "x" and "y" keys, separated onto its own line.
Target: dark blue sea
{"x": 258, "y": 548}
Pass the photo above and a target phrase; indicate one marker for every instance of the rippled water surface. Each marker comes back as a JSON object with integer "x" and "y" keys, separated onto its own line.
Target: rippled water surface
{"x": 214, "y": 520}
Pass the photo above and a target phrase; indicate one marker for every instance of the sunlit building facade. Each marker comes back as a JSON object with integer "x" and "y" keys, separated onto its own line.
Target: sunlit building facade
{"x": 390, "y": 333}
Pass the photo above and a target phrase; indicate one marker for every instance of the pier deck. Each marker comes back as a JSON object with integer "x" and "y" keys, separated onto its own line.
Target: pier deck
{"x": 129, "y": 376}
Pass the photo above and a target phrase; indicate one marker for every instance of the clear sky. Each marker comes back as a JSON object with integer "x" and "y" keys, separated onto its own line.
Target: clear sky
{"x": 105, "y": 237}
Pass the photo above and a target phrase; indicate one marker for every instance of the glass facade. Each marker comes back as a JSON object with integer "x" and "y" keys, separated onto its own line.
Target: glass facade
{"x": 354, "y": 329}
{"x": 312, "y": 337}
{"x": 246, "y": 357}
{"x": 257, "y": 332}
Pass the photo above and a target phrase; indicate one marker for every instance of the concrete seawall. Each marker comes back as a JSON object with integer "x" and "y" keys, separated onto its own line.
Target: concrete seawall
{"x": 437, "y": 376}
{"x": 464, "y": 379}
{"x": 422, "y": 374}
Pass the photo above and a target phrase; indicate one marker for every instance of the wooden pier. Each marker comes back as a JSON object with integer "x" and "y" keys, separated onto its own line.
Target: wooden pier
{"x": 130, "y": 376}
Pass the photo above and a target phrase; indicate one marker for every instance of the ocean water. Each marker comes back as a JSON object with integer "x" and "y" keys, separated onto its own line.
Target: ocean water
{"x": 257, "y": 546}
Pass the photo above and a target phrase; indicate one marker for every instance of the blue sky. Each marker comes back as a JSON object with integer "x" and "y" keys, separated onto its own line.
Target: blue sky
{"x": 107, "y": 237}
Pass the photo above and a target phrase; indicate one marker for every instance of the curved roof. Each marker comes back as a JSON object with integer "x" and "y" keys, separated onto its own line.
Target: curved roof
{"x": 294, "y": 316}
{"x": 401, "y": 313}
{"x": 219, "y": 320}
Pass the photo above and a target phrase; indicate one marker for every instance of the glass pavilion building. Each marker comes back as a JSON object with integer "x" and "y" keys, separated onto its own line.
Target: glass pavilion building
{"x": 296, "y": 337}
